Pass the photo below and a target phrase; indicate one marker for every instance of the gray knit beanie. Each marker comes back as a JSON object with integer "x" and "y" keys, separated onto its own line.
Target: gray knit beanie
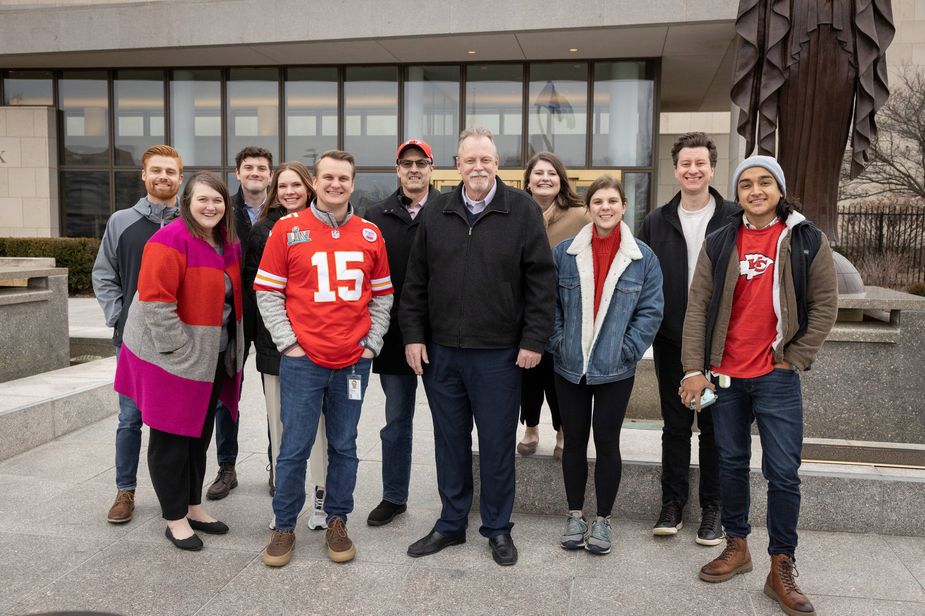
{"x": 765, "y": 162}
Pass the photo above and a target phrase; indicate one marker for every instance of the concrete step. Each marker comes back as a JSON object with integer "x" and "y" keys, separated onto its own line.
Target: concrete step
{"x": 37, "y": 409}
{"x": 862, "y": 498}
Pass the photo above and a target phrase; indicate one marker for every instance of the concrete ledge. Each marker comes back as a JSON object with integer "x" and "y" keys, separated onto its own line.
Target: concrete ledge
{"x": 860, "y": 499}
{"x": 37, "y": 409}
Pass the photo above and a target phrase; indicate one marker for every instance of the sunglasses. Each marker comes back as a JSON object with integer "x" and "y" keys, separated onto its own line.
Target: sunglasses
{"x": 423, "y": 163}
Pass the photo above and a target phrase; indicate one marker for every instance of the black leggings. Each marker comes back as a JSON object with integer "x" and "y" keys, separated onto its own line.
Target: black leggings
{"x": 178, "y": 463}
{"x": 534, "y": 383}
{"x": 575, "y": 406}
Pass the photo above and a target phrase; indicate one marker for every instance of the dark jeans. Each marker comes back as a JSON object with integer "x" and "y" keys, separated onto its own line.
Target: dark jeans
{"x": 463, "y": 385}
{"x": 396, "y": 435}
{"x": 676, "y": 434}
{"x": 128, "y": 441}
{"x": 537, "y": 382}
{"x": 178, "y": 463}
{"x": 775, "y": 402}
{"x": 609, "y": 402}
{"x": 226, "y": 429}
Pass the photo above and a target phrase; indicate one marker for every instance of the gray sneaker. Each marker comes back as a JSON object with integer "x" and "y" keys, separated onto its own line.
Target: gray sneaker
{"x": 600, "y": 537}
{"x": 573, "y": 537}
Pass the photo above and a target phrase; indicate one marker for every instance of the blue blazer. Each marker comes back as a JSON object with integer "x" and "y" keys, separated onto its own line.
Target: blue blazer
{"x": 606, "y": 348}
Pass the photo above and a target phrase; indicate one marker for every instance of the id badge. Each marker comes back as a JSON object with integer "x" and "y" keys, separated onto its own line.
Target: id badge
{"x": 354, "y": 390}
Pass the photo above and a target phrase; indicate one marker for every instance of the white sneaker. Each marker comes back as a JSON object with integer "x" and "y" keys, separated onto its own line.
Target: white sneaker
{"x": 318, "y": 519}
{"x": 272, "y": 524}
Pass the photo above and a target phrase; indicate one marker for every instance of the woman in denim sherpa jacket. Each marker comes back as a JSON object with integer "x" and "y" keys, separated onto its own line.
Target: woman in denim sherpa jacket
{"x": 608, "y": 309}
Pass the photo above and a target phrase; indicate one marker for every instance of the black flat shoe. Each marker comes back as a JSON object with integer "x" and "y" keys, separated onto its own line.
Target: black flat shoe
{"x": 193, "y": 544}
{"x": 433, "y": 543}
{"x": 212, "y": 528}
{"x": 384, "y": 513}
{"x": 503, "y": 550}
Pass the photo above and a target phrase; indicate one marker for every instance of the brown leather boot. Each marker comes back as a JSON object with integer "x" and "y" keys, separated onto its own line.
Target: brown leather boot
{"x": 734, "y": 559}
{"x": 782, "y": 587}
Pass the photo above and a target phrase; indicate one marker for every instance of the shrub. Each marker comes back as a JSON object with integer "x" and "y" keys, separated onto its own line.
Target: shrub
{"x": 917, "y": 289}
{"x": 75, "y": 253}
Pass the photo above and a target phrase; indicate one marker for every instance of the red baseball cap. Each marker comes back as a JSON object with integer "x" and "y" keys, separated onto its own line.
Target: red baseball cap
{"x": 416, "y": 143}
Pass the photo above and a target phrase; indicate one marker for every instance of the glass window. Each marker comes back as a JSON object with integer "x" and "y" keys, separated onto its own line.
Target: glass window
{"x": 558, "y": 111}
{"x": 371, "y": 114}
{"x": 494, "y": 99}
{"x": 432, "y": 109}
{"x": 28, "y": 88}
{"x": 129, "y": 188}
{"x": 139, "y": 103}
{"x": 85, "y": 202}
{"x": 624, "y": 102}
{"x": 253, "y": 110}
{"x": 370, "y": 188}
{"x": 196, "y": 116}
{"x": 637, "y": 198}
{"x": 311, "y": 113}
{"x": 84, "y": 112}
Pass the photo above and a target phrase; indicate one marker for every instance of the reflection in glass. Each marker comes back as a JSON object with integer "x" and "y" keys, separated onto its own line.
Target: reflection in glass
{"x": 558, "y": 111}
{"x": 139, "y": 103}
{"x": 85, "y": 200}
{"x": 84, "y": 112}
{"x": 311, "y": 113}
{"x": 253, "y": 110}
{"x": 636, "y": 186}
{"x": 129, "y": 188}
{"x": 432, "y": 109}
{"x": 196, "y": 116}
{"x": 370, "y": 188}
{"x": 371, "y": 114}
{"x": 624, "y": 101}
{"x": 494, "y": 99}
{"x": 28, "y": 88}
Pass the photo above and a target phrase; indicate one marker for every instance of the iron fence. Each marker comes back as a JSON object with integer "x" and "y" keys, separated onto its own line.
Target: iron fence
{"x": 886, "y": 242}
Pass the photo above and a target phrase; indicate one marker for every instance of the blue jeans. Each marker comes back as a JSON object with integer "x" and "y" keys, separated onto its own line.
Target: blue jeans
{"x": 128, "y": 441}
{"x": 399, "y": 390}
{"x": 775, "y": 402}
{"x": 226, "y": 435}
{"x": 307, "y": 390}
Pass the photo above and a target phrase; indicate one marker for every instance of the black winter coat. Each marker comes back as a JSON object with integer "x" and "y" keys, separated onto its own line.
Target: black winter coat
{"x": 398, "y": 231}
{"x": 491, "y": 285}
{"x": 267, "y": 355}
{"x": 661, "y": 230}
{"x": 243, "y": 226}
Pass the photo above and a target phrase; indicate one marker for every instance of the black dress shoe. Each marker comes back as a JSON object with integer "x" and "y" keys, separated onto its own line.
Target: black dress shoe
{"x": 384, "y": 513}
{"x": 213, "y": 528}
{"x": 503, "y": 550}
{"x": 193, "y": 544}
{"x": 433, "y": 543}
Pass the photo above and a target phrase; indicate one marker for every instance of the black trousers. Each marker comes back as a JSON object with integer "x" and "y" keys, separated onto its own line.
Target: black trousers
{"x": 178, "y": 463}
{"x": 609, "y": 401}
{"x": 536, "y": 382}
{"x": 676, "y": 434}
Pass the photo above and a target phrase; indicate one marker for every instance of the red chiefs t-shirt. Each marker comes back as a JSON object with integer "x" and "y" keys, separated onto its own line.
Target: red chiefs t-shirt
{"x": 753, "y": 322}
{"x": 328, "y": 276}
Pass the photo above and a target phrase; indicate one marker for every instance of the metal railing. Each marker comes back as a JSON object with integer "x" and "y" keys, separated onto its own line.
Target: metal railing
{"x": 886, "y": 242}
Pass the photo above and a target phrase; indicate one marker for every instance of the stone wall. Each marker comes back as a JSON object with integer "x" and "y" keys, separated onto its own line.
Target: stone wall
{"x": 28, "y": 172}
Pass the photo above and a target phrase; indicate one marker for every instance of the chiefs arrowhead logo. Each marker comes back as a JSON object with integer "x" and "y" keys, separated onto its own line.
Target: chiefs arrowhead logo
{"x": 754, "y": 264}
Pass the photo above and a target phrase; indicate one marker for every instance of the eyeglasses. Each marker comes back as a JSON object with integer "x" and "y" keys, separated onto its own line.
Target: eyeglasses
{"x": 422, "y": 163}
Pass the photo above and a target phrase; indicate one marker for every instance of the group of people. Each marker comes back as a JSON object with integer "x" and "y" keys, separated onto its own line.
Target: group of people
{"x": 497, "y": 298}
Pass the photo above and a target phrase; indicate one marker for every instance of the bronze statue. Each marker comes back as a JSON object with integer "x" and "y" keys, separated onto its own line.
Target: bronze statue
{"x": 805, "y": 69}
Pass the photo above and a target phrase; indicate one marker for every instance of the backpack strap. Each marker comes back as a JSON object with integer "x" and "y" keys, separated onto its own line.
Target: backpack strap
{"x": 719, "y": 249}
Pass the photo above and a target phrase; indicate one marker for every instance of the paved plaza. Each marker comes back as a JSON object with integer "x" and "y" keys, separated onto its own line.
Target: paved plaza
{"x": 59, "y": 553}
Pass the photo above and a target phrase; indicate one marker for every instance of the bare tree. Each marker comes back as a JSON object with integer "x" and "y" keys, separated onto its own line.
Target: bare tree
{"x": 897, "y": 157}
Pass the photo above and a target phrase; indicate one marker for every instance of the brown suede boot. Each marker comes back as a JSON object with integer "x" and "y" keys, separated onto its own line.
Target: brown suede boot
{"x": 734, "y": 559}
{"x": 782, "y": 587}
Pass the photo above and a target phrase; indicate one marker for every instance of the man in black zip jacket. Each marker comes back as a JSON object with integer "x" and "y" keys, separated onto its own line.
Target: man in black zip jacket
{"x": 675, "y": 232}
{"x": 477, "y": 306}
{"x": 398, "y": 217}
